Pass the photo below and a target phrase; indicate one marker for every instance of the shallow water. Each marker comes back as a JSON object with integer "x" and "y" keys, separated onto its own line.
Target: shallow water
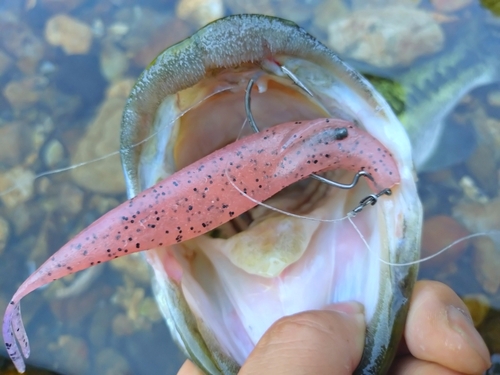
{"x": 67, "y": 65}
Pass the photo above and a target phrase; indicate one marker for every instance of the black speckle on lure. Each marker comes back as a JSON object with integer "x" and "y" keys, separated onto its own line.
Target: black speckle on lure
{"x": 163, "y": 215}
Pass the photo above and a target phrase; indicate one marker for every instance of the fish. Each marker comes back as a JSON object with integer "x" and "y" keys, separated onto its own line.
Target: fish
{"x": 221, "y": 284}
{"x": 241, "y": 278}
{"x": 424, "y": 95}
{"x": 206, "y": 194}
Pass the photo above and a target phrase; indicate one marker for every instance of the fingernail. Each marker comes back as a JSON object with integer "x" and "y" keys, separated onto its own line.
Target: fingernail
{"x": 349, "y": 308}
{"x": 461, "y": 322}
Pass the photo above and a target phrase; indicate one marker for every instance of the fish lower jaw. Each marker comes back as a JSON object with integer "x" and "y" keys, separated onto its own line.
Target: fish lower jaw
{"x": 236, "y": 288}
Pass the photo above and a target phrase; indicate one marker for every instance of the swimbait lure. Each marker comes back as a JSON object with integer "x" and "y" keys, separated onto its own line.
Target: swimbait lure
{"x": 200, "y": 197}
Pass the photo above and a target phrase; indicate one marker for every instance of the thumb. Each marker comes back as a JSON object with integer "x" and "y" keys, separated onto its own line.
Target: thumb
{"x": 329, "y": 341}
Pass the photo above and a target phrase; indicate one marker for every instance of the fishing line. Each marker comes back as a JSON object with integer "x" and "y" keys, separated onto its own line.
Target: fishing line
{"x": 266, "y": 205}
{"x": 282, "y": 211}
{"x": 18, "y": 186}
{"x": 468, "y": 237}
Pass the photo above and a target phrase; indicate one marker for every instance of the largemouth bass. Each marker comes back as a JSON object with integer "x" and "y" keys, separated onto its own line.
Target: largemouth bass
{"x": 221, "y": 291}
{"x": 424, "y": 95}
{"x": 188, "y": 102}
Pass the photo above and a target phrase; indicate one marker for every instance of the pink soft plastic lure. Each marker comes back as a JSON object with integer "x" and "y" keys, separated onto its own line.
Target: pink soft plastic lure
{"x": 200, "y": 197}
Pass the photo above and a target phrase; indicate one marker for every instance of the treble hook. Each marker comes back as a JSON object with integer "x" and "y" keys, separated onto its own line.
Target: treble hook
{"x": 255, "y": 128}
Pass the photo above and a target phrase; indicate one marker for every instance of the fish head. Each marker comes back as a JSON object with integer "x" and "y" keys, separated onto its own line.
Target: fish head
{"x": 221, "y": 291}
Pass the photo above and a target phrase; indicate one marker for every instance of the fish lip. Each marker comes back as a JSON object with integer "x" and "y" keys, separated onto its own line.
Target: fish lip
{"x": 371, "y": 112}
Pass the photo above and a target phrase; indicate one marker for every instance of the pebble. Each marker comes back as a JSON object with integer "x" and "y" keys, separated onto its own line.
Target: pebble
{"x": 122, "y": 325}
{"x": 133, "y": 266}
{"x": 13, "y": 144}
{"x": 110, "y": 362}
{"x": 70, "y": 199}
{"x": 114, "y": 62}
{"x": 21, "y": 94}
{"x": 478, "y": 216}
{"x": 71, "y": 353}
{"x": 20, "y": 42}
{"x": 4, "y": 233}
{"x": 53, "y": 153}
{"x": 325, "y": 12}
{"x": 386, "y": 37}
{"x": 200, "y": 12}
{"x": 74, "y": 36}
{"x": 19, "y": 182}
{"x": 298, "y": 11}
{"x": 101, "y": 139}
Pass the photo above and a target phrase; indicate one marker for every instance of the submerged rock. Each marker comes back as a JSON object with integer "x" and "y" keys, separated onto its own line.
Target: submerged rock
{"x": 102, "y": 139}
{"x": 19, "y": 182}
{"x": 386, "y": 37}
{"x": 200, "y": 12}
{"x": 74, "y": 36}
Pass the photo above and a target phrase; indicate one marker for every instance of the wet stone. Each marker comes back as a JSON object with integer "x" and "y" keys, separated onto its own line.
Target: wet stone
{"x": 13, "y": 144}
{"x": 110, "y": 362}
{"x": 53, "y": 153}
{"x": 101, "y": 140}
{"x": 386, "y": 37}
{"x": 363, "y": 4}
{"x": 133, "y": 266}
{"x": 200, "y": 12}
{"x": 114, "y": 62}
{"x": 21, "y": 94}
{"x": 22, "y": 217}
{"x": 122, "y": 325}
{"x": 74, "y": 36}
{"x": 289, "y": 9}
{"x": 71, "y": 352}
{"x": 70, "y": 199}
{"x": 20, "y": 42}
{"x": 20, "y": 180}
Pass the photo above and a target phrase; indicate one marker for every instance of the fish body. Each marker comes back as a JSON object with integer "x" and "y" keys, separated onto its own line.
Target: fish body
{"x": 426, "y": 94}
{"x": 220, "y": 293}
{"x": 205, "y": 195}
{"x": 267, "y": 269}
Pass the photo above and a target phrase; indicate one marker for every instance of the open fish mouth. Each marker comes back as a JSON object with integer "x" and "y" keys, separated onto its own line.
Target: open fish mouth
{"x": 221, "y": 291}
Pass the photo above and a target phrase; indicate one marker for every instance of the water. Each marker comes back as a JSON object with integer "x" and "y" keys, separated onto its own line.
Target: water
{"x": 52, "y": 94}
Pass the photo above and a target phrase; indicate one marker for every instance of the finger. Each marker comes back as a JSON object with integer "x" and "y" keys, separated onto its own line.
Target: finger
{"x": 439, "y": 329}
{"x": 312, "y": 342}
{"x": 188, "y": 368}
{"x": 413, "y": 366}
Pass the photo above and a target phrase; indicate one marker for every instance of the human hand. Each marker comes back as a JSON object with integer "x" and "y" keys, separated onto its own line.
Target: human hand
{"x": 439, "y": 338}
